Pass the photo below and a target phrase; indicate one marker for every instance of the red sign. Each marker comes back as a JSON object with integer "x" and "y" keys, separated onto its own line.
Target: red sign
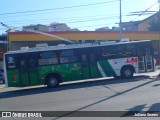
{"x": 132, "y": 60}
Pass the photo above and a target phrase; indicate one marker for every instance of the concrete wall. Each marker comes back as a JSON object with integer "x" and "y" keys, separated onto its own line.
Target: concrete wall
{"x": 84, "y": 35}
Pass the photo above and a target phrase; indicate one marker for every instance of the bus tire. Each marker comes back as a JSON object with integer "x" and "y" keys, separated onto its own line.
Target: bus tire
{"x": 127, "y": 72}
{"x": 52, "y": 81}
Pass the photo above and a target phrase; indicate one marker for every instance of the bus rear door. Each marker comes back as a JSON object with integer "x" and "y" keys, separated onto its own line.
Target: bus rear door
{"x": 145, "y": 62}
{"x": 149, "y": 61}
{"x": 89, "y": 65}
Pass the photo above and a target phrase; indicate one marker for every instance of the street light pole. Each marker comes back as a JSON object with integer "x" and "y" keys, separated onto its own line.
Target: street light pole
{"x": 159, "y": 27}
{"x": 120, "y": 23}
{"x": 159, "y": 5}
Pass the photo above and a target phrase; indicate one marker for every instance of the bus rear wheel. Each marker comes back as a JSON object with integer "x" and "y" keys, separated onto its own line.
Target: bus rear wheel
{"x": 52, "y": 81}
{"x": 127, "y": 72}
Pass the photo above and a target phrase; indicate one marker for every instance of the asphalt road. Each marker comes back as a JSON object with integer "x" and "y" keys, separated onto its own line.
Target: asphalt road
{"x": 141, "y": 93}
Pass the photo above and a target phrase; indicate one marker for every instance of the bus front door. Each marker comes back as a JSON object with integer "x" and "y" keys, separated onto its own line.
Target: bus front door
{"x": 28, "y": 69}
{"x": 23, "y": 70}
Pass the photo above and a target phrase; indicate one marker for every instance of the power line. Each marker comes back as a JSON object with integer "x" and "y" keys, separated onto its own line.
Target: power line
{"x": 45, "y": 13}
{"x": 95, "y": 25}
{"x": 67, "y": 8}
{"x": 69, "y": 18}
{"x": 86, "y": 5}
{"x": 97, "y": 19}
{"x": 8, "y": 17}
{"x": 61, "y": 8}
{"x": 145, "y": 10}
{"x": 79, "y": 19}
{"x": 38, "y": 19}
{"x": 104, "y": 18}
{"x": 100, "y": 19}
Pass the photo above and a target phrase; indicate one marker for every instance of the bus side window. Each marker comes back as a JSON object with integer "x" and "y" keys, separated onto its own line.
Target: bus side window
{"x": 84, "y": 60}
{"x": 32, "y": 65}
{"x": 122, "y": 51}
{"x": 126, "y": 50}
{"x": 47, "y": 58}
{"x": 68, "y": 56}
{"x": 23, "y": 67}
{"x": 109, "y": 52}
{"x": 92, "y": 58}
{"x": 130, "y": 49}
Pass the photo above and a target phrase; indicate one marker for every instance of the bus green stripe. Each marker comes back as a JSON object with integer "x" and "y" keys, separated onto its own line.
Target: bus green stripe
{"x": 110, "y": 68}
{"x": 107, "y": 68}
{"x": 104, "y": 67}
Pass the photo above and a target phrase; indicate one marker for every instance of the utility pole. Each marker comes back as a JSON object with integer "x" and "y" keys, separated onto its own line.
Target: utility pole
{"x": 158, "y": 47}
{"x": 159, "y": 5}
{"x": 159, "y": 9}
{"x": 120, "y": 22}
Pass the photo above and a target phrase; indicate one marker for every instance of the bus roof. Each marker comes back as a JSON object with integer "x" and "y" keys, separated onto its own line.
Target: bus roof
{"x": 71, "y": 46}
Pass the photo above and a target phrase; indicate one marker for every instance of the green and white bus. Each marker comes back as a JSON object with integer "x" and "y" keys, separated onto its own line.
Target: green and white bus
{"x": 53, "y": 65}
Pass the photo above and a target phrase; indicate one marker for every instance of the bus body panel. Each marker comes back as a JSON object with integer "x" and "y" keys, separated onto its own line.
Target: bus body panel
{"x": 117, "y": 64}
{"x": 32, "y": 68}
{"x": 34, "y": 78}
{"x": 93, "y": 71}
{"x": 67, "y": 72}
{"x": 85, "y": 72}
{"x": 106, "y": 68}
{"x": 13, "y": 78}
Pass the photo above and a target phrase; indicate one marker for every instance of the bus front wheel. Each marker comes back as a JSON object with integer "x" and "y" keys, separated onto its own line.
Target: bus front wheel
{"x": 52, "y": 81}
{"x": 127, "y": 72}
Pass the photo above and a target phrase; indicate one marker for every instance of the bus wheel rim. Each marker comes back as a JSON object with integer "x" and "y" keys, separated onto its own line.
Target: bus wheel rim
{"x": 127, "y": 73}
{"x": 53, "y": 81}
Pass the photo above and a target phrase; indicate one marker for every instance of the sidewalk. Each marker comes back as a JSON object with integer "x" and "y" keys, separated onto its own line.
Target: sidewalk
{"x": 2, "y": 86}
{"x": 151, "y": 74}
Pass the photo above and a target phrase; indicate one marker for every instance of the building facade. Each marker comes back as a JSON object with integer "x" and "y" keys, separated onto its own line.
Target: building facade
{"x": 27, "y": 38}
{"x": 58, "y": 27}
{"x": 38, "y": 27}
{"x": 142, "y": 25}
{"x": 3, "y": 45}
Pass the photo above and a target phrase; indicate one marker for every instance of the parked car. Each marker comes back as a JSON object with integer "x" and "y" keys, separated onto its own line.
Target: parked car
{"x": 1, "y": 78}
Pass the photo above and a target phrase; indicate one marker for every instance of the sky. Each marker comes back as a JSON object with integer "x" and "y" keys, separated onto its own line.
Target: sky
{"x": 81, "y": 14}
